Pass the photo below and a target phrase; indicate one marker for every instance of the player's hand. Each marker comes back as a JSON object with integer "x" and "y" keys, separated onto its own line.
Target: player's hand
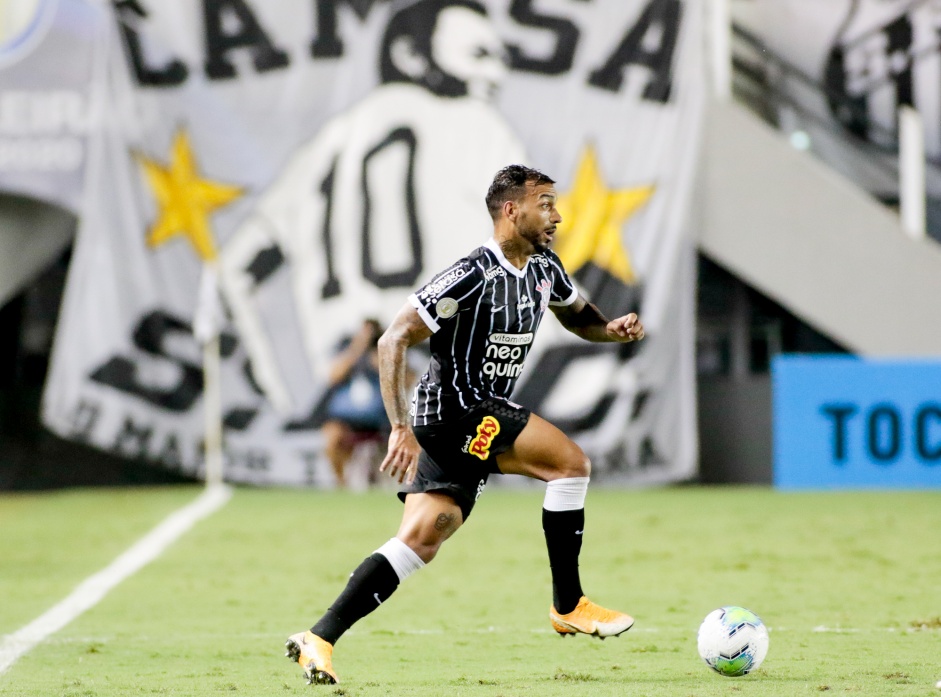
{"x": 401, "y": 459}
{"x": 626, "y": 328}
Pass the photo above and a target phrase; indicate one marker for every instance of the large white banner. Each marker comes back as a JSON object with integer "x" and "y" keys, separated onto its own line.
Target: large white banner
{"x": 328, "y": 157}
{"x": 867, "y": 58}
{"x": 50, "y": 51}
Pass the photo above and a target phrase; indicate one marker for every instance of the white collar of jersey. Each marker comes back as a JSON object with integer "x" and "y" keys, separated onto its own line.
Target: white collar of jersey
{"x": 495, "y": 248}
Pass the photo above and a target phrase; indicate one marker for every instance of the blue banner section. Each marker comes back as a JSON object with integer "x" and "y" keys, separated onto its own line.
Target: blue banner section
{"x": 845, "y": 422}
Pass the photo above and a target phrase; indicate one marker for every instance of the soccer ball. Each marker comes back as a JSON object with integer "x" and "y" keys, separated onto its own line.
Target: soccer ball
{"x": 733, "y": 641}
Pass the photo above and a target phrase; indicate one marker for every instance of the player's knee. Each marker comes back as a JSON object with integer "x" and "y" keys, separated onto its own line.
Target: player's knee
{"x": 426, "y": 539}
{"x": 574, "y": 463}
{"x": 581, "y": 467}
{"x": 425, "y": 547}
{"x": 577, "y": 463}
{"x": 428, "y": 552}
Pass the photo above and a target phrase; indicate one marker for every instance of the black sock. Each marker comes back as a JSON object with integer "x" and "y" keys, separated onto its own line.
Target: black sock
{"x": 369, "y": 586}
{"x": 563, "y": 530}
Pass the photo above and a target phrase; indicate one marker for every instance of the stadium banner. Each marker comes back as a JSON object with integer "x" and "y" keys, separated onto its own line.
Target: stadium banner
{"x": 847, "y": 423}
{"x": 870, "y": 57}
{"x": 327, "y": 158}
{"x": 48, "y": 106}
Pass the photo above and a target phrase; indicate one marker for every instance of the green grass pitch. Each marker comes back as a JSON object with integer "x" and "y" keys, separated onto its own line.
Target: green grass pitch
{"x": 848, "y": 583}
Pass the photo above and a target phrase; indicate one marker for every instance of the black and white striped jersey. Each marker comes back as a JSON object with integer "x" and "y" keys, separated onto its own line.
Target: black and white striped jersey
{"x": 484, "y": 313}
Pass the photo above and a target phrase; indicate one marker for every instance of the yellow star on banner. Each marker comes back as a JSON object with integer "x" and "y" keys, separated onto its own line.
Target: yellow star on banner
{"x": 592, "y": 217}
{"x": 185, "y": 200}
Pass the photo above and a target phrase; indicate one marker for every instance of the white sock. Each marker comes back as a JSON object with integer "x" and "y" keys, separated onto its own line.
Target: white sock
{"x": 566, "y": 494}
{"x": 401, "y": 558}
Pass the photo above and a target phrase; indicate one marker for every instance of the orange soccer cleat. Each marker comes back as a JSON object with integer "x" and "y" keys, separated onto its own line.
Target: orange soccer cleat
{"x": 314, "y": 655}
{"x": 588, "y": 618}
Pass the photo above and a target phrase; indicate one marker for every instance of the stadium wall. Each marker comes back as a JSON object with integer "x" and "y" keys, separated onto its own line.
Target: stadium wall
{"x": 813, "y": 241}
{"x": 735, "y": 429}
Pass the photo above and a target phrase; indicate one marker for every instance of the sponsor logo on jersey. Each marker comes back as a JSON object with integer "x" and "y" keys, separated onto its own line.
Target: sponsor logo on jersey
{"x": 512, "y": 339}
{"x": 480, "y": 488}
{"x": 493, "y": 272}
{"x": 442, "y": 283}
{"x": 503, "y": 361}
{"x": 446, "y": 307}
{"x": 540, "y": 259}
{"x": 525, "y": 303}
{"x": 486, "y": 432}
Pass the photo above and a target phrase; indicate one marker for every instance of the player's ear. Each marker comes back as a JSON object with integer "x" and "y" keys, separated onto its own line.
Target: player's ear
{"x": 510, "y": 209}
{"x": 407, "y": 59}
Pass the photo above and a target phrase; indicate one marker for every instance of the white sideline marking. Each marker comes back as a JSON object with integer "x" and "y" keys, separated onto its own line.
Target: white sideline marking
{"x": 840, "y": 630}
{"x": 88, "y": 593}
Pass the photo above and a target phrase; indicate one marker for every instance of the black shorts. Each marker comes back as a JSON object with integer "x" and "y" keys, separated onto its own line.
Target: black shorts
{"x": 458, "y": 456}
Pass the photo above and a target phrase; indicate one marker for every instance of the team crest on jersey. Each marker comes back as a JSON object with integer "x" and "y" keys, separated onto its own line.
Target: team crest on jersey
{"x": 446, "y": 307}
{"x": 543, "y": 287}
{"x": 486, "y": 432}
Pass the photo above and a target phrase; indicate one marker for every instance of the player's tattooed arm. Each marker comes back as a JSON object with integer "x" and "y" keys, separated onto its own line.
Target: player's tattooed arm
{"x": 407, "y": 329}
{"x": 584, "y": 319}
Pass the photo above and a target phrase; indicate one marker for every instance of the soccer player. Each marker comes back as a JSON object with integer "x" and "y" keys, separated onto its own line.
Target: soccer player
{"x": 481, "y": 315}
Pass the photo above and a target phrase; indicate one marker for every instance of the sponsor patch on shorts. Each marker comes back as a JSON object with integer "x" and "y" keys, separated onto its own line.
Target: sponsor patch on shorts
{"x": 487, "y": 430}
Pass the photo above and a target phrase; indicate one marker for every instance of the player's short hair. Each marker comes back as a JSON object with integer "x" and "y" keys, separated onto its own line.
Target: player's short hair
{"x": 417, "y": 21}
{"x": 509, "y": 184}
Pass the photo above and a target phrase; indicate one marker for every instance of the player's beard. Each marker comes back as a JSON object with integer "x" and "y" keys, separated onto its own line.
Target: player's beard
{"x": 537, "y": 239}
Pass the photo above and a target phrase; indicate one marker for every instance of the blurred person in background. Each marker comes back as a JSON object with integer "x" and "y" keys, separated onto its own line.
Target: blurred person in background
{"x": 355, "y": 415}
